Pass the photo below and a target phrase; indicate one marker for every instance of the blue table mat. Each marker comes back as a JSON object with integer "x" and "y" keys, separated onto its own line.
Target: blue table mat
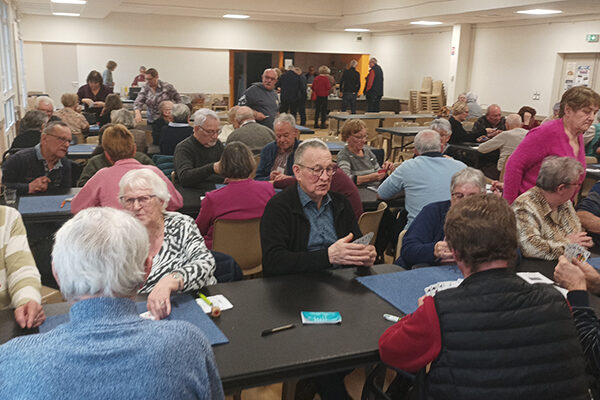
{"x": 82, "y": 148}
{"x": 44, "y": 204}
{"x": 403, "y": 289}
{"x": 594, "y": 262}
{"x": 183, "y": 308}
{"x": 335, "y": 146}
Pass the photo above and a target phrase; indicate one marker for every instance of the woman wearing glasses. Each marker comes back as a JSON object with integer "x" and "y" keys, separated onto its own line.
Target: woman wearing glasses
{"x": 356, "y": 159}
{"x": 102, "y": 188}
{"x": 180, "y": 260}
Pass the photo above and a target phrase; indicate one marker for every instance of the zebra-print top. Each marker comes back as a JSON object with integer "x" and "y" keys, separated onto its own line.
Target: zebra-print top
{"x": 183, "y": 250}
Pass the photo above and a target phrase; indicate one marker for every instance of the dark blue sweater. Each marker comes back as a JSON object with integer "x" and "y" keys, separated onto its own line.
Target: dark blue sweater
{"x": 425, "y": 231}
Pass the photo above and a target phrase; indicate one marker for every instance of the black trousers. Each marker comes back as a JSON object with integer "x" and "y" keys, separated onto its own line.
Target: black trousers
{"x": 349, "y": 101}
{"x": 373, "y": 102}
{"x": 302, "y": 111}
{"x": 321, "y": 108}
{"x": 290, "y": 107}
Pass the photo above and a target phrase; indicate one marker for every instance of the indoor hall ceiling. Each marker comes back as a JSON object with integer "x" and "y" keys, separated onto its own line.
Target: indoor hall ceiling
{"x": 335, "y": 15}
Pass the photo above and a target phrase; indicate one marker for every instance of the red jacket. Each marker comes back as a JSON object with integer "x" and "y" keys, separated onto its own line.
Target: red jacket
{"x": 321, "y": 86}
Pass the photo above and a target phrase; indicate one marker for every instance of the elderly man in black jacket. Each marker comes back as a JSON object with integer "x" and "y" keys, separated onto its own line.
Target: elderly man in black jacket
{"x": 349, "y": 87}
{"x": 308, "y": 228}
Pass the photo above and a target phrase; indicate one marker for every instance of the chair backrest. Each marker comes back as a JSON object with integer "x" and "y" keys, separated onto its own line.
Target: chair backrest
{"x": 399, "y": 245}
{"x": 372, "y": 125}
{"x": 437, "y": 87}
{"x": 388, "y": 122}
{"x": 423, "y": 120}
{"x": 369, "y": 221}
{"x": 426, "y": 85}
{"x": 240, "y": 239}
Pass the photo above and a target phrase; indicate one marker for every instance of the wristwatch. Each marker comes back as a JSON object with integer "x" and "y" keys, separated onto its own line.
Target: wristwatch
{"x": 179, "y": 277}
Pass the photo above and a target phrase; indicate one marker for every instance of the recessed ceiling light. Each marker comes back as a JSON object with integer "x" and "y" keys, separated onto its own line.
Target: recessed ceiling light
{"x": 236, "y": 16}
{"x": 538, "y": 11}
{"x": 63, "y": 14}
{"x": 69, "y": 1}
{"x": 357, "y": 30}
{"x": 427, "y": 23}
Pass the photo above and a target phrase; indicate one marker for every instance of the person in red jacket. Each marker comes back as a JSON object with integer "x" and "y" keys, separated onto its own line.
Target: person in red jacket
{"x": 320, "y": 90}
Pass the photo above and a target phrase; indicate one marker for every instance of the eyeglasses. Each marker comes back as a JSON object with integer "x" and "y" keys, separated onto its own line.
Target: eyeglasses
{"x": 359, "y": 137}
{"x": 212, "y": 133}
{"x": 317, "y": 171}
{"x": 142, "y": 200}
{"x": 60, "y": 138}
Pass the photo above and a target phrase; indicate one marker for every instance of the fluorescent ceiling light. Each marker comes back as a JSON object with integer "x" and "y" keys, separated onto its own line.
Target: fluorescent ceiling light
{"x": 427, "y": 23}
{"x": 236, "y": 16}
{"x": 538, "y": 11}
{"x": 69, "y": 1}
{"x": 64, "y": 14}
{"x": 357, "y": 30}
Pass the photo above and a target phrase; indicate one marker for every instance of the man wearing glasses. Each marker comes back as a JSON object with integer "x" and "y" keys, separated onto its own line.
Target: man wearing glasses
{"x": 45, "y": 166}
{"x": 308, "y": 228}
{"x": 261, "y": 98}
{"x": 197, "y": 157}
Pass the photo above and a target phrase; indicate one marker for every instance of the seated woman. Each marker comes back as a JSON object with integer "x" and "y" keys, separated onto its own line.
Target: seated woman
{"x": 165, "y": 108}
{"x": 356, "y": 159}
{"x": 460, "y": 111}
{"x": 546, "y": 219}
{"x": 102, "y": 189}
{"x": 125, "y": 117}
{"x": 93, "y": 94}
{"x": 424, "y": 241}
{"x": 71, "y": 116}
{"x": 113, "y": 102}
{"x": 180, "y": 260}
{"x": 242, "y": 198}
{"x": 528, "y": 116}
{"x": 177, "y": 130}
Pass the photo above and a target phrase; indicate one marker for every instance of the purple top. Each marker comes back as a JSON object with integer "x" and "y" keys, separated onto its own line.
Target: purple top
{"x": 523, "y": 166}
{"x": 238, "y": 200}
{"x": 102, "y": 190}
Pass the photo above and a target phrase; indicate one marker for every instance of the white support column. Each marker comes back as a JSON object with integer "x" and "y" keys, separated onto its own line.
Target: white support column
{"x": 460, "y": 61}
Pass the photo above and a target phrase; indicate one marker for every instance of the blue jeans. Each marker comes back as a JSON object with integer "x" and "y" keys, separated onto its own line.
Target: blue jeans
{"x": 349, "y": 100}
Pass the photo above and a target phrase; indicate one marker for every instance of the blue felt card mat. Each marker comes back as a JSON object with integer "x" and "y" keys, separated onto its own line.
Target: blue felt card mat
{"x": 403, "y": 289}
{"x": 183, "y": 308}
{"x": 335, "y": 146}
{"x": 594, "y": 262}
{"x": 44, "y": 204}
{"x": 82, "y": 148}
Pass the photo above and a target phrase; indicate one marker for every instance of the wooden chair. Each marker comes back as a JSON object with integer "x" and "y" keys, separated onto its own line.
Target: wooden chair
{"x": 397, "y": 142}
{"x": 50, "y": 295}
{"x": 241, "y": 240}
{"x": 399, "y": 245}
{"x": 334, "y": 124}
{"x": 468, "y": 125}
{"x": 373, "y": 135}
{"x": 423, "y": 121}
{"x": 434, "y": 100}
{"x": 369, "y": 221}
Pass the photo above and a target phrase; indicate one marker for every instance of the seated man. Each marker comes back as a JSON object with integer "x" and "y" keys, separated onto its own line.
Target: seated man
{"x": 44, "y": 166}
{"x": 424, "y": 179}
{"x": 30, "y": 129}
{"x": 46, "y": 105}
{"x": 277, "y": 158}
{"x": 19, "y": 277}
{"x": 197, "y": 157}
{"x": 106, "y": 350}
{"x": 490, "y": 124}
{"x": 424, "y": 241}
{"x": 588, "y": 211}
{"x": 579, "y": 278}
{"x": 494, "y": 336}
{"x": 545, "y": 215}
{"x": 102, "y": 189}
{"x": 443, "y": 127}
{"x": 177, "y": 130}
{"x": 306, "y": 227}
{"x": 250, "y": 132}
{"x": 506, "y": 141}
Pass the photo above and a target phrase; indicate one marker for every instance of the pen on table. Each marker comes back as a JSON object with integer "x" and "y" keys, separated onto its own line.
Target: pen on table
{"x": 391, "y": 318}
{"x": 65, "y": 202}
{"x": 214, "y": 310}
{"x": 267, "y": 332}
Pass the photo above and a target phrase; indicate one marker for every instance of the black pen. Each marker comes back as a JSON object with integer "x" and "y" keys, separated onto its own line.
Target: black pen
{"x": 267, "y": 332}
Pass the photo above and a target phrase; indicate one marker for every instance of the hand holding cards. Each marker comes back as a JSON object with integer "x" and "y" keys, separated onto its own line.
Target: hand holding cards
{"x": 577, "y": 252}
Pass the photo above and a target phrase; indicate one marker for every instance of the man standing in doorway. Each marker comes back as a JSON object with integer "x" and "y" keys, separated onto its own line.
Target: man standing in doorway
{"x": 374, "y": 86}
{"x": 349, "y": 87}
{"x": 262, "y": 98}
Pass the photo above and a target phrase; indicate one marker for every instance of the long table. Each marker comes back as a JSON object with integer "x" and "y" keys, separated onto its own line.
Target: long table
{"x": 402, "y": 132}
{"x": 252, "y": 360}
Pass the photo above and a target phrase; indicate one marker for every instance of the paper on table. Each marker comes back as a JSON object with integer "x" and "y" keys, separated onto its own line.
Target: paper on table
{"x": 218, "y": 300}
{"x": 534, "y": 277}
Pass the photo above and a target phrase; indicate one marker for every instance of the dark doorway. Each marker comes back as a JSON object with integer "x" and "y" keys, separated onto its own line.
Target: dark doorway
{"x": 248, "y": 68}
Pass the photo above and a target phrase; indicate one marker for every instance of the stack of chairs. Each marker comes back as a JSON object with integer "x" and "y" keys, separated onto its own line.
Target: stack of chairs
{"x": 434, "y": 101}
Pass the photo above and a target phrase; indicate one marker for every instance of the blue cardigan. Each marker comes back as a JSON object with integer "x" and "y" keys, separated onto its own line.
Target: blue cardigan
{"x": 426, "y": 230}
{"x": 267, "y": 158}
{"x": 107, "y": 351}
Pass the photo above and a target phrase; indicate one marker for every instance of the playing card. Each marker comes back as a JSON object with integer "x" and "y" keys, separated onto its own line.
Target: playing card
{"x": 366, "y": 239}
{"x": 576, "y": 251}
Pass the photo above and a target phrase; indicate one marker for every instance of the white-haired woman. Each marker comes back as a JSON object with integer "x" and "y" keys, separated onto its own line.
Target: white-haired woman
{"x": 180, "y": 259}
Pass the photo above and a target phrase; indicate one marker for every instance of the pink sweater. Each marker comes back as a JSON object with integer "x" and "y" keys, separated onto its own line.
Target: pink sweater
{"x": 102, "y": 190}
{"x": 523, "y": 166}
{"x": 238, "y": 200}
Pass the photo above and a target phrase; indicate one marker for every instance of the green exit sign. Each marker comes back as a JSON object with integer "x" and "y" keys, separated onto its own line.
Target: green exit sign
{"x": 592, "y": 37}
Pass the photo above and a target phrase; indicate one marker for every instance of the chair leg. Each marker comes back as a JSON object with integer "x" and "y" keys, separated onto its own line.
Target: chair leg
{"x": 288, "y": 390}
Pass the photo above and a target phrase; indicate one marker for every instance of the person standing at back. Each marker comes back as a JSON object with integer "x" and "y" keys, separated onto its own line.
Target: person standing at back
{"x": 374, "y": 86}
{"x": 349, "y": 87}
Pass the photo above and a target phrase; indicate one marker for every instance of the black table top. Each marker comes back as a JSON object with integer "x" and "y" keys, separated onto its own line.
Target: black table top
{"x": 402, "y": 130}
{"x": 252, "y": 360}
{"x": 344, "y": 117}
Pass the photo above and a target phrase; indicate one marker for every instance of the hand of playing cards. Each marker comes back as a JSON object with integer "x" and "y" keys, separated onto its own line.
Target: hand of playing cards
{"x": 577, "y": 252}
{"x": 431, "y": 290}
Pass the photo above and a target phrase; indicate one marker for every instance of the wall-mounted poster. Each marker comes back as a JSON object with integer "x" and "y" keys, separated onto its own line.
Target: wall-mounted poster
{"x": 582, "y": 77}
{"x": 570, "y": 75}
